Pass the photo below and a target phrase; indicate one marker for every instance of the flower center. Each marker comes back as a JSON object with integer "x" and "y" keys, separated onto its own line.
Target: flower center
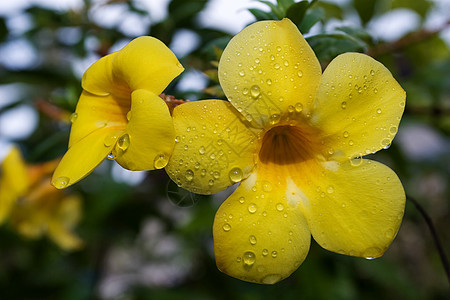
{"x": 286, "y": 144}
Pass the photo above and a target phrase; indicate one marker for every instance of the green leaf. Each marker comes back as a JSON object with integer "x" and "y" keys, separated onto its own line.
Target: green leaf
{"x": 311, "y": 17}
{"x": 297, "y": 11}
{"x": 285, "y": 4}
{"x": 359, "y": 33}
{"x": 331, "y": 10}
{"x": 328, "y": 46}
{"x": 261, "y": 15}
{"x": 365, "y": 9}
{"x": 275, "y": 9}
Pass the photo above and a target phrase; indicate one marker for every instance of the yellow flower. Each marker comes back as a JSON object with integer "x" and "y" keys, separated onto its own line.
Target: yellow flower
{"x": 34, "y": 207}
{"x": 120, "y": 114}
{"x": 294, "y": 138}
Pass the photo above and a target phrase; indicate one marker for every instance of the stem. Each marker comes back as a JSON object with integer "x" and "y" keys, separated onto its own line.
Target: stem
{"x": 439, "y": 247}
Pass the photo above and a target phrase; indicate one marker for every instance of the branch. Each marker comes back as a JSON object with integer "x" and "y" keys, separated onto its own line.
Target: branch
{"x": 439, "y": 247}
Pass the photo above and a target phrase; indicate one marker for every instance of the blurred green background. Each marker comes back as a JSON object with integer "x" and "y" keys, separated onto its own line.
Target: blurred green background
{"x": 147, "y": 239}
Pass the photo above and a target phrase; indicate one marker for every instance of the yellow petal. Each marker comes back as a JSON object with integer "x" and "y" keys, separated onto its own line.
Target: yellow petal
{"x": 98, "y": 78}
{"x": 14, "y": 181}
{"x": 66, "y": 216}
{"x": 354, "y": 210}
{"x": 149, "y": 137}
{"x": 359, "y": 105}
{"x": 258, "y": 235}
{"x": 269, "y": 72}
{"x": 146, "y": 63}
{"x": 83, "y": 157}
{"x": 95, "y": 112}
{"x": 214, "y": 148}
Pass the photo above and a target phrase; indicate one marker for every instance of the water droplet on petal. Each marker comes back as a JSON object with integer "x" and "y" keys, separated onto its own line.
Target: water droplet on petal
{"x": 160, "y": 161}
{"x": 235, "y": 174}
{"x": 249, "y": 258}
{"x": 265, "y": 252}
{"x": 375, "y": 90}
{"x": 226, "y": 227}
{"x": 61, "y": 182}
{"x": 129, "y": 115}
{"x": 274, "y": 254}
{"x": 345, "y": 134}
{"x": 371, "y": 253}
{"x": 379, "y": 111}
{"x": 300, "y": 73}
{"x": 73, "y": 117}
{"x": 124, "y": 142}
{"x": 255, "y": 91}
{"x": 393, "y": 129}
{"x": 252, "y": 208}
{"x": 386, "y": 143}
{"x": 274, "y": 119}
{"x": 298, "y": 107}
{"x": 271, "y": 279}
{"x": 330, "y": 189}
{"x": 372, "y": 72}
{"x": 241, "y": 73}
{"x": 252, "y": 239}
{"x": 110, "y": 139}
{"x": 189, "y": 174}
{"x": 202, "y": 150}
{"x": 280, "y": 207}
{"x": 241, "y": 200}
{"x": 344, "y": 105}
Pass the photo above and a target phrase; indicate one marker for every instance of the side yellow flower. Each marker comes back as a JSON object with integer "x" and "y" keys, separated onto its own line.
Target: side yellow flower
{"x": 294, "y": 138}
{"x": 120, "y": 114}
{"x": 33, "y": 206}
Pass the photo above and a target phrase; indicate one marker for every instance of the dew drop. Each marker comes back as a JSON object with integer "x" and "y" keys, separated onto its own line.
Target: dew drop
{"x": 61, "y": 182}
{"x": 111, "y": 156}
{"x": 356, "y": 161}
{"x": 124, "y": 142}
{"x": 129, "y": 115}
{"x": 298, "y": 107}
{"x": 330, "y": 189}
{"x": 202, "y": 150}
{"x": 274, "y": 119}
{"x": 241, "y": 200}
{"x": 375, "y": 90}
{"x": 350, "y": 143}
{"x": 269, "y": 82}
{"x": 245, "y": 91}
{"x": 226, "y": 227}
{"x": 73, "y": 117}
{"x": 249, "y": 258}
{"x": 276, "y": 66}
{"x": 189, "y": 174}
{"x": 211, "y": 182}
{"x": 300, "y": 73}
{"x": 160, "y": 161}
{"x": 235, "y": 174}
{"x": 110, "y": 139}
{"x": 379, "y": 111}
{"x": 344, "y": 105}
{"x": 280, "y": 207}
{"x": 252, "y": 239}
{"x": 241, "y": 73}
{"x": 345, "y": 134}
{"x": 265, "y": 252}
{"x": 371, "y": 253}
{"x": 286, "y": 63}
{"x": 252, "y": 208}
{"x": 393, "y": 129}
{"x": 386, "y": 143}
{"x": 372, "y": 72}
{"x": 274, "y": 254}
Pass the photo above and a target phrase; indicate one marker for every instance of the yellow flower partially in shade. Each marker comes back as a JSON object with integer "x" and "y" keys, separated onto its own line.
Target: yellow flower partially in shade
{"x": 120, "y": 114}
{"x": 293, "y": 137}
{"x": 33, "y": 206}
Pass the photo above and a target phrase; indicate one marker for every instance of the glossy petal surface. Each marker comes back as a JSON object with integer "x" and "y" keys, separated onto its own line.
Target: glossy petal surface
{"x": 150, "y": 134}
{"x": 268, "y": 70}
{"x": 97, "y": 112}
{"x": 82, "y": 158}
{"x": 354, "y": 209}
{"x": 215, "y": 147}
{"x": 146, "y": 63}
{"x": 359, "y": 106}
{"x": 258, "y": 235}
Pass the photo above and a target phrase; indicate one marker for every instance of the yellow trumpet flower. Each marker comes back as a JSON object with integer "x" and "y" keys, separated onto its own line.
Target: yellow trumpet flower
{"x": 294, "y": 138}
{"x": 33, "y": 206}
{"x": 120, "y": 114}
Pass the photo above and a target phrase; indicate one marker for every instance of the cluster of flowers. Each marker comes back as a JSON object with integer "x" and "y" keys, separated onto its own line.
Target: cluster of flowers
{"x": 292, "y": 136}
